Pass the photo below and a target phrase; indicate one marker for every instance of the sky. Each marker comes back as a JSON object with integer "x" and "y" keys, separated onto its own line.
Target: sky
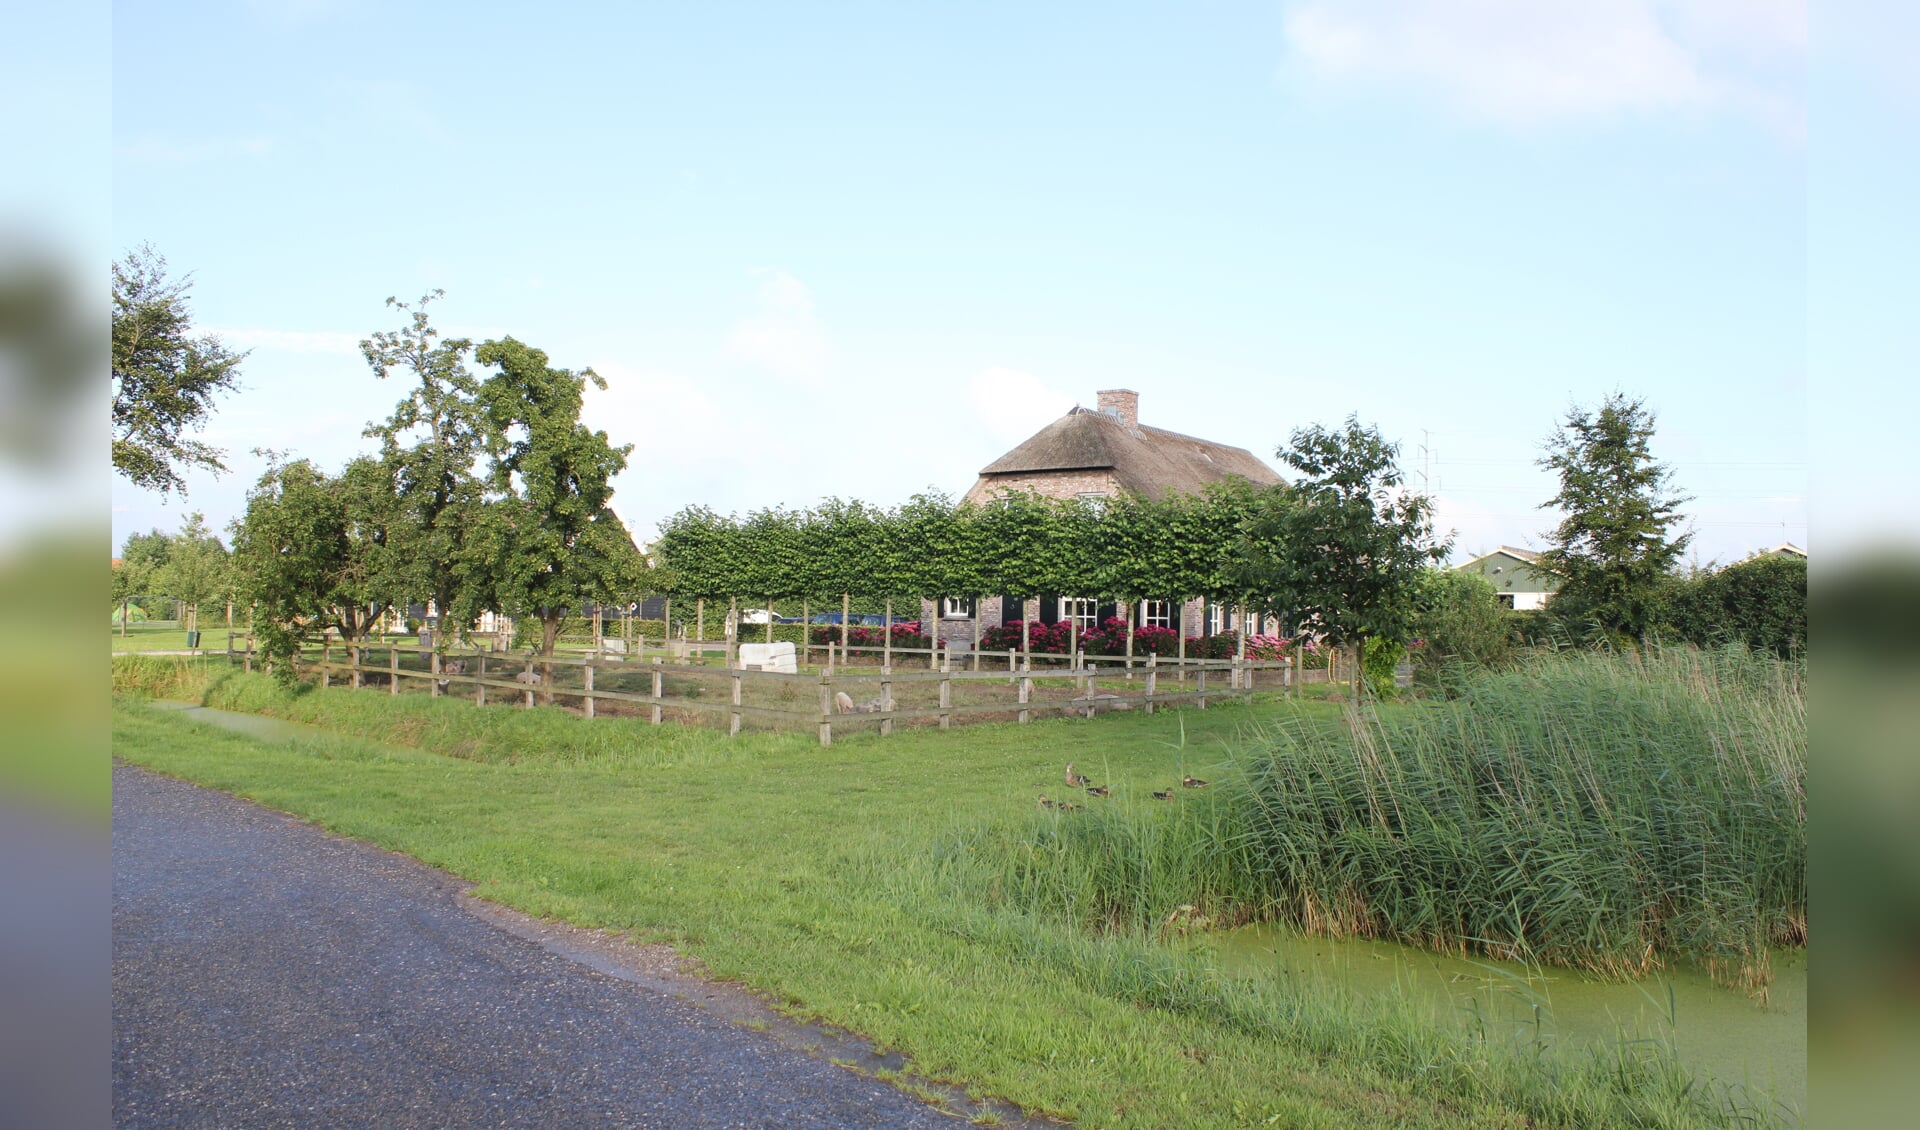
{"x": 861, "y": 250}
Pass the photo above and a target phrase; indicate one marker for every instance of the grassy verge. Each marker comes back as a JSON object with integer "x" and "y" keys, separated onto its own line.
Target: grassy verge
{"x": 839, "y": 882}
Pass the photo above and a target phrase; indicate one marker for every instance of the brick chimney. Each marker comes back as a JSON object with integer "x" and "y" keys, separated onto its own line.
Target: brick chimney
{"x": 1122, "y": 404}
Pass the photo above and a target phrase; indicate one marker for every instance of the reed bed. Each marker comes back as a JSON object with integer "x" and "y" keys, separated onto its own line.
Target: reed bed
{"x": 1603, "y": 811}
{"x": 1595, "y": 810}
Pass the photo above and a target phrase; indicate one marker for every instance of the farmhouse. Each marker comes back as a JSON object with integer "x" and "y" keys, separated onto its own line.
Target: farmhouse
{"x": 1100, "y": 453}
{"x": 1518, "y": 581}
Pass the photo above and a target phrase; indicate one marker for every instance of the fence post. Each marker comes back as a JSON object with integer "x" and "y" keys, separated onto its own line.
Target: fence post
{"x": 979, "y": 605}
{"x": 326, "y": 662}
{"x": 733, "y": 723}
{"x": 806, "y": 636}
{"x": 1089, "y": 690}
{"x": 1026, "y": 690}
{"x": 658, "y": 689}
{"x": 886, "y": 699}
{"x": 886, "y": 653}
{"x": 480, "y": 679}
{"x": 433, "y": 667}
{"x": 528, "y": 675}
{"x": 1129, "y": 642}
{"x": 354, "y": 656}
{"x": 1183, "y": 649}
{"x": 1153, "y": 672}
{"x": 826, "y": 709}
{"x": 586, "y": 673}
{"x": 946, "y": 692}
{"x": 1202, "y": 676}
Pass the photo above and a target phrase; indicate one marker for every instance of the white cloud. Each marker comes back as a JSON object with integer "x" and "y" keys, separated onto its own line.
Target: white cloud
{"x": 1013, "y": 405}
{"x": 783, "y": 336}
{"x": 1525, "y": 61}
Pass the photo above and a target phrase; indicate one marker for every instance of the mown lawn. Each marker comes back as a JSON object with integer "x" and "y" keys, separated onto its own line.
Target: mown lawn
{"x": 817, "y": 877}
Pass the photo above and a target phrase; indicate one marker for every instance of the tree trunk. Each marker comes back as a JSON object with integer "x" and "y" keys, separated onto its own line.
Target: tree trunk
{"x": 1359, "y": 666}
{"x": 123, "y": 617}
{"x": 549, "y": 632}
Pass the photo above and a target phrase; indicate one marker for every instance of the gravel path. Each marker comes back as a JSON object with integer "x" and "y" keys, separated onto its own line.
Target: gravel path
{"x": 267, "y": 974}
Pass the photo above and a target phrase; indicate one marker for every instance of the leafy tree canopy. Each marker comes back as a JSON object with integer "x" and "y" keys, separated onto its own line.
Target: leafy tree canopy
{"x": 165, "y": 378}
{"x": 555, "y": 542}
{"x": 433, "y": 442}
{"x": 1351, "y": 548}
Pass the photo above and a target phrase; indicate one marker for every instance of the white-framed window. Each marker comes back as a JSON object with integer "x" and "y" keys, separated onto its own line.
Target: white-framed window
{"x": 956, "y": 608}
{"x": 1080, "y": 612}
{"x": 1219, "y": 619}
{"x": 1156, "y": 613}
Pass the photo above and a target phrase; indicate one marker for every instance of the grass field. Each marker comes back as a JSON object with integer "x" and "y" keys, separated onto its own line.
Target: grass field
{"x": 840, "y": 883}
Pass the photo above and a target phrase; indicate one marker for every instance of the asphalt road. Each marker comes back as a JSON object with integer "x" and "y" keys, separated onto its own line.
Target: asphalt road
{"x": 267, "y": 974}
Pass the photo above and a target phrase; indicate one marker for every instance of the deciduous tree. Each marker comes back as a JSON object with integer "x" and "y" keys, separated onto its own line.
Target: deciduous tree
{"x": 433, "y": 442}
{"x": 196, "y": 568}
{"x": 165, "y": 378}
{"x": 1350, "y": 547}
{"x": 554, "y": 540}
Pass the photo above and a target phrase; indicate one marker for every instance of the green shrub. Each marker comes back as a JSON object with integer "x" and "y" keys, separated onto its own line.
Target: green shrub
{"x": 1761, "y": 602}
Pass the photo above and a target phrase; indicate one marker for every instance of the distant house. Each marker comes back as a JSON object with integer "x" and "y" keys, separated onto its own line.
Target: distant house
{"x": 1097, "y": 453}
{"x": 1784, "y": 549}
{"x": 1518, "y": 581}
{"x": 1100, "y": 453}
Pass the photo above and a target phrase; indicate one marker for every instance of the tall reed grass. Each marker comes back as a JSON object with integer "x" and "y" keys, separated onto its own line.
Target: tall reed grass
{"x": 1605, "y": 811}
{"x": 1599, "y": 810}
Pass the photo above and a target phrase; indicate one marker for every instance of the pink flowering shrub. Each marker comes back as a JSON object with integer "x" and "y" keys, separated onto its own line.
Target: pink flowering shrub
{"x": 905, "y": 634}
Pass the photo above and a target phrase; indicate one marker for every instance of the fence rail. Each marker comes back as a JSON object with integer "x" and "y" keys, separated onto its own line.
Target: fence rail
{"x": 679, "y": 685}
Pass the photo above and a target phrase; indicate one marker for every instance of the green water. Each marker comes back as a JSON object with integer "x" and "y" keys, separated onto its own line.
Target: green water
{"x": 252, "y": 725}
{"x": 1719, "y": 1032}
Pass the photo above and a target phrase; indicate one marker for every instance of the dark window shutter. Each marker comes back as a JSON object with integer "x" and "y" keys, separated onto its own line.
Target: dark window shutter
{"x": 1011, "y": 609}
{"x": 1050, "y": 609}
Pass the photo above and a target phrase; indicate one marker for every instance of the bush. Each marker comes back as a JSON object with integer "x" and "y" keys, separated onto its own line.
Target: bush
{"x": 905, "y": 634}
{"x": 1462, "y": 625}
{"x": 1761, "y": 602}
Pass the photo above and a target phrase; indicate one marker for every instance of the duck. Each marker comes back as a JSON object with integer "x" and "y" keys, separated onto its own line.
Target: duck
{"x": 1076, "y": 780}
{"x": 1098, "y": 790}
{"x": 1167, "y": 795}
{"x": 1193, "y": 782}
{"x": 1046, "y": 802}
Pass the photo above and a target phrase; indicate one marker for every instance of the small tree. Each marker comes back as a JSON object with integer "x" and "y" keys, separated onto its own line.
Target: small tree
{"x": 141, "y": 562}
{"x": 554, "y": 541}
{"x": 196, "y": 568}
{"x": 164, "y": 379}
{"x": 1460, "y": 622}
{"x": 311, "y": 553}
{"x": 1352, "y": 548}
{"x": 432, "y": 442}
{"x": 1614, "y": 550}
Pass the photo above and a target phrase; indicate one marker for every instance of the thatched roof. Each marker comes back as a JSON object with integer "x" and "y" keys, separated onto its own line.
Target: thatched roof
{"x": 1148, "y": 461}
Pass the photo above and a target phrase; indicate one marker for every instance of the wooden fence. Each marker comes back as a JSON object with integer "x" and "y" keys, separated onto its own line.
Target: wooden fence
{"x": 956, "y": 686}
